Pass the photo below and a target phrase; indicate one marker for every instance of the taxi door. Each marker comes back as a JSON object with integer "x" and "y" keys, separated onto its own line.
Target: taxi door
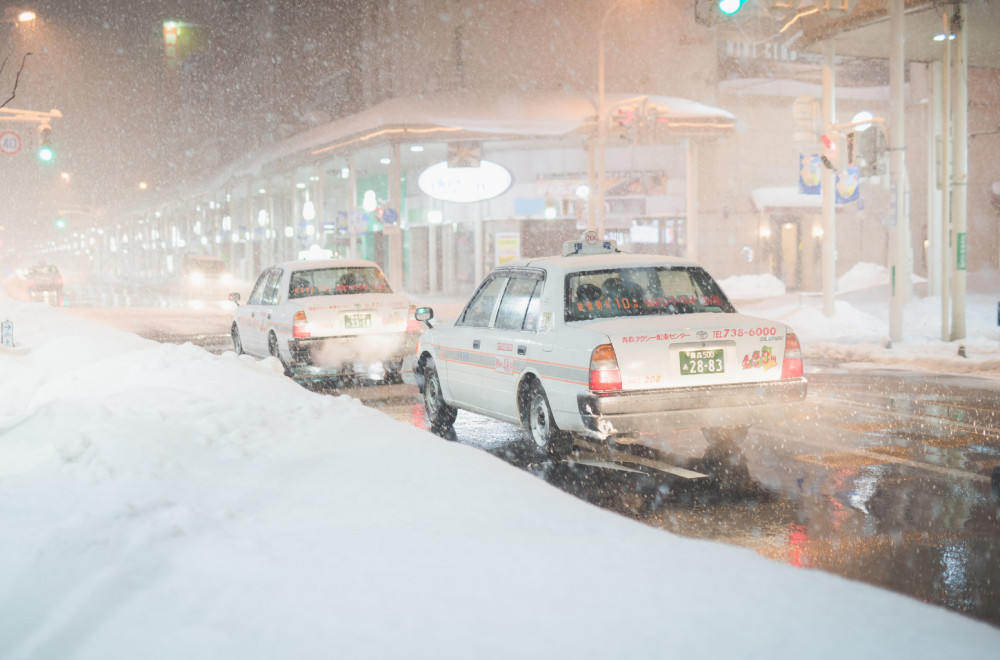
{"x": 251, "y": 318}
{"x": 461, "y": 361}
{"x": 512, "y": 342}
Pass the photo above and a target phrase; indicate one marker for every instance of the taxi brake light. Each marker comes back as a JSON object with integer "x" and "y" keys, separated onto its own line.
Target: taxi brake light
{"x": 300, "y": 326}
{"x": 791, "y": 365}
{"x": 604, "y": 372}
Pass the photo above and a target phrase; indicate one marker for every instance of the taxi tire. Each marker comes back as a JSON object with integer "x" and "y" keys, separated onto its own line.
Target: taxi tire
{"x": 237, "y": 342}
{"x": 272, "y": 348}
{"x": 440, "y": 416}
{"x": 545, "y": 436}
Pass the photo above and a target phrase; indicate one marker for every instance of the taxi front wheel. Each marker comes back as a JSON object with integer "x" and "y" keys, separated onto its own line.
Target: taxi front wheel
{"x": 237, "y": 342}
{"x": 440, "y": 415}
{"x": 541, "y": 427}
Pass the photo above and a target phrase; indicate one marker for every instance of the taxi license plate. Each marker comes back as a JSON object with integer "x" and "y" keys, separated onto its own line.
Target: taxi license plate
{"x": 702, "y": 362}
{"x": 357, "y": 321}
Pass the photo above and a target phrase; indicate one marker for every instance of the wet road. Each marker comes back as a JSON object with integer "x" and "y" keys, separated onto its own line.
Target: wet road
{"x": 883, "y": 477}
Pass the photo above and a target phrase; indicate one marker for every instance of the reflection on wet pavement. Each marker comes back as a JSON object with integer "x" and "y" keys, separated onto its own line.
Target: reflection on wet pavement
{"x": 886, "y": 479}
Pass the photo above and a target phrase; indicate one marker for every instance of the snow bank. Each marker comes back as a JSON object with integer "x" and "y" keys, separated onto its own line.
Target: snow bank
{"x": 158, "y": 501}
{"x": 749, "y": 287}
{"x": 864, "y": 275}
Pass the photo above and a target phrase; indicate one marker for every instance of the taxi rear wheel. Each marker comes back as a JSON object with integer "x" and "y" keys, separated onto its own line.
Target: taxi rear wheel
{"x": 237, "y": 342}
{"x": 440, "y": 415}
{"x": 542, "y": 429}
{"x": 272, "y": 348}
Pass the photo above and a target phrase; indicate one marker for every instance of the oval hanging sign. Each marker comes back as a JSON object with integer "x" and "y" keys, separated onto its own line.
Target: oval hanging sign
{"x": 464, "y": 184}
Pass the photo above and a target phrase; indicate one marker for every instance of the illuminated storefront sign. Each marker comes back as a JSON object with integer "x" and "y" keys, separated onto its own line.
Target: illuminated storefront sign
{"x": 464, "y": 184}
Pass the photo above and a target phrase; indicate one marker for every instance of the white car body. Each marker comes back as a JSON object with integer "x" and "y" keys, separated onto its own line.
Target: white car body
{"x": 527, "y": 323}
{"x": 326, "y": 318}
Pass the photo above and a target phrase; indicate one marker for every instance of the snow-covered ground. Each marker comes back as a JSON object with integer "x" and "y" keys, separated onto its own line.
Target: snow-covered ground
{"x": 158, "y": 501}
{"x": 857, "y": 335}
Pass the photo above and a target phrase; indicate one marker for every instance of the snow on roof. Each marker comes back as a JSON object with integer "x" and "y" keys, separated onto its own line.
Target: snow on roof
{"x": 788, "y": 197}
{"x": 539, "y": 113}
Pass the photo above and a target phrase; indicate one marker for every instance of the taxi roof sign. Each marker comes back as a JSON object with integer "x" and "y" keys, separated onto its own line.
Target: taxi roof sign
{"x": 590, "y": 243}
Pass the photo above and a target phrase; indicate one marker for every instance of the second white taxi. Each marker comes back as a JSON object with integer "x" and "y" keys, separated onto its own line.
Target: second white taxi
{"x": 607, "y": 345}
{"x": 327, "y": 318}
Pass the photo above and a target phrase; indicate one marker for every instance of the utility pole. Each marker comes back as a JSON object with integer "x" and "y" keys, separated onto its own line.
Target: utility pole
{"x": 960, "y": 154}
{"x": 946, "y": 184}
{"x": 827, "y": 191}
{"x": 899, "y": 218}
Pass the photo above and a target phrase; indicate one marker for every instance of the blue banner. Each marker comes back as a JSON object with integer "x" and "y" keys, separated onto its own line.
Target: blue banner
{"x": 847, "y": 185}
{"x": 809, "y": 174}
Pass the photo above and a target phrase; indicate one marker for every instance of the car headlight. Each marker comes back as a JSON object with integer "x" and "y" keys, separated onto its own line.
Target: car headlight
{"x": 196, "y": 278}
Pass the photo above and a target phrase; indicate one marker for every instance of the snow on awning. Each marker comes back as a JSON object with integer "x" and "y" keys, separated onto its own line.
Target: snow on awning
{"x": 445, "y": 114}
{"x": 788, "y": 197}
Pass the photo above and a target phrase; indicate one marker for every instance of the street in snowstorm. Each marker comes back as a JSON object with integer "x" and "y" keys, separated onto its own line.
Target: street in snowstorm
{"x": 280, "y": 284}
{"x": 884, "y": 477}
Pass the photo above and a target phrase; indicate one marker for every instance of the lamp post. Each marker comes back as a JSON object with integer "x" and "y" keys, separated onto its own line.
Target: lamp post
{"x": 602, "y": 128}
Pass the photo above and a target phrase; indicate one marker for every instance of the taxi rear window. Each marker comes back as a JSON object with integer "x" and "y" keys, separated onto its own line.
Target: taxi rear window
{"x": 336, "y": 282}
{"x": 642, "y": 291}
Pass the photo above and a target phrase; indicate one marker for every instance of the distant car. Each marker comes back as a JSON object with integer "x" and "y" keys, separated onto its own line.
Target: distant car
{"x": 607, "y": 345}
{"x": 45, "y": 279}
{"x": 206, "y": 277}
{"x": 327, "y": 319}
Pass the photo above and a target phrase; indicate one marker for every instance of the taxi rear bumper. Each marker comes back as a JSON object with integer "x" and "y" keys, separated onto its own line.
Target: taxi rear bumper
{"x": 626, "y": 412}
{"x": 350, "y": 355}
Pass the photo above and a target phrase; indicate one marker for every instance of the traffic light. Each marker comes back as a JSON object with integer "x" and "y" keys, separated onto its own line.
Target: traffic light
{"x": 60, "y": 223}
{"x": 830, "y": 156}
{"x": 730, "y": 7}
{"x": 871, "y": 147}
{"x": 709, "y": 12}
{"x": 45, "y": 152}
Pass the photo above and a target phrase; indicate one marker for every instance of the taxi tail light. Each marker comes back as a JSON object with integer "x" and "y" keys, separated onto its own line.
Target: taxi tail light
{"x": 791, "y": 365}
{"x": 300, "y": 326}
{"x": 604, "y": 371}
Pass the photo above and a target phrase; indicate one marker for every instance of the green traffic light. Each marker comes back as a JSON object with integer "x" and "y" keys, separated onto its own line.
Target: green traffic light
{"x": 60, "y": 223}
{"x": 46, "y": 154}
{"x": 730, "y": 7}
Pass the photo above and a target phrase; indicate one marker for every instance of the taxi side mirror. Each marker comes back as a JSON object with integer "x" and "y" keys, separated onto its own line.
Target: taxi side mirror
{"x": 235, "y": 297}
{"x": 424, "y": 315}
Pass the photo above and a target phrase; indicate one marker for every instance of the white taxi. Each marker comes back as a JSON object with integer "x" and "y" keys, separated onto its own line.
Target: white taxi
{"x": 607, "y": 345}
{"x": 326, "y": 318}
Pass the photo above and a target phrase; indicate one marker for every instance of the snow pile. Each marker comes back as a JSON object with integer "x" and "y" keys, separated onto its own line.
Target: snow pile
{"x": 158, "y": 501}
{"x": 848, "y": 325}
{"x": 864, "y": 275}
{"x": 749, "y": 287}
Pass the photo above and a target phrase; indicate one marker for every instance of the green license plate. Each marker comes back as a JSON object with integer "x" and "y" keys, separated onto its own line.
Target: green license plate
{"x": 702, "y": 362}
{"x": 357, "y": 321}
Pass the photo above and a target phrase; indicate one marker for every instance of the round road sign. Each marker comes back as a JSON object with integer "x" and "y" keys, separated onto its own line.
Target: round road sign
{"x": 10, "y": 142}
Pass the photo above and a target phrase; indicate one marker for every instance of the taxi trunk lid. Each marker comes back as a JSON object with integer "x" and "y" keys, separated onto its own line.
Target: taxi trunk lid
{"x": 695, "y": 349}
{"x": 356, "y": 314}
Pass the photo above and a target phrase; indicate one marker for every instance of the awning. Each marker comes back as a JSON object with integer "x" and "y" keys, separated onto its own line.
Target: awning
{"x": 455, "y": 114}
{"x": 767, "y": 200}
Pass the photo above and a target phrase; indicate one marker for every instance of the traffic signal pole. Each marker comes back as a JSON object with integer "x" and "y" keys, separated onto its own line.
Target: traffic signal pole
{"x": 827, "y": 192}
{"x": 899, "y": 215}
{"x": 945, "y": 243}
{"x": 960, "y": 160}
